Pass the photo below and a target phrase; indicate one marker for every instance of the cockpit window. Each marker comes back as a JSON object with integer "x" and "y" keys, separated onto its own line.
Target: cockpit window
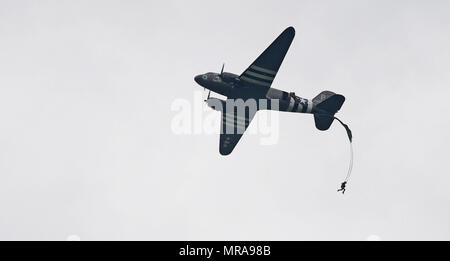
{"x": 216, "y": 78}
{"x": 204, "y": 76}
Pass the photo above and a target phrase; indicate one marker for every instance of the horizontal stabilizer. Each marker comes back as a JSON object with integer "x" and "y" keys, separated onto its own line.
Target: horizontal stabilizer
{"x": 323, "y": 121}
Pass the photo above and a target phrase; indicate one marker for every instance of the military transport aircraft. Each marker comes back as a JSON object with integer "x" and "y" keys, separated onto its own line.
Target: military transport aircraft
{"x": 254, "y": 84}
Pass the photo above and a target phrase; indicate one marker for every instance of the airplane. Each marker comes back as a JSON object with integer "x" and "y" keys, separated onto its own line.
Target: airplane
{"x": 254, "y": 84}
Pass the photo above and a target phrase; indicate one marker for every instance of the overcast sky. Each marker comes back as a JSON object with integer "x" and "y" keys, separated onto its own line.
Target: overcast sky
{"x": 87, "y": 149}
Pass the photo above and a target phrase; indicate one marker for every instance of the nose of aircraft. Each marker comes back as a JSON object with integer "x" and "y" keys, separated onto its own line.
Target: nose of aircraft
{"x": 198, "y": 79}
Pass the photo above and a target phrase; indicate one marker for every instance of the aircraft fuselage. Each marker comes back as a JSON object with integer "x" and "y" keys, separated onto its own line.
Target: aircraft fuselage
{"x": 228, "y": 84}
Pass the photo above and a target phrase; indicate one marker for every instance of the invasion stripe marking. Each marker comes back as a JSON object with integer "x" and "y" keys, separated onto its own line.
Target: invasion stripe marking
{"x": 255, "y": 67}
{"x": 266, "y": 84}
{"x": 238, "y": 123}
{"x": 296, "y": 104}
{"x": 262, "y": 73}
{"x": 300, "y": 107}
{"x": 305, "y": 106}
{"x": 239, "y": 120}
{"x": 237, "y": 126}
{"x": 310, "y": 104}
{"x": 231, "y": 116}
{"x": 259, "y": 75}
{"x": 256, "y": 78}
{"x": 291, "y": 104}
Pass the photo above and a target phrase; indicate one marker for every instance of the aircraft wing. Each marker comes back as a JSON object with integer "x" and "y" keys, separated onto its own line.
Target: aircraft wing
{"x": 260, "y": 74}
{"x": 232, "y": 128}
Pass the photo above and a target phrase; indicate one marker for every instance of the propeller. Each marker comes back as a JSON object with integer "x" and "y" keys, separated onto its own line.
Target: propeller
{"x": 209, "y": 93}
{"x": 221, "y": 72}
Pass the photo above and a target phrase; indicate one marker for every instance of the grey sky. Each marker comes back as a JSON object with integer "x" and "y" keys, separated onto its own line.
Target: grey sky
{"x": 86, "y": 146}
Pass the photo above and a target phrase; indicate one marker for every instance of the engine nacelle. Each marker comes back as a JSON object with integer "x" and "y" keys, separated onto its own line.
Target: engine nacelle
{"x": 215, "y": 103}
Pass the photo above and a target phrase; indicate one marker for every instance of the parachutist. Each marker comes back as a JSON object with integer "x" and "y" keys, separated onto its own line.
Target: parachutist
{"x": 342, "y": 187}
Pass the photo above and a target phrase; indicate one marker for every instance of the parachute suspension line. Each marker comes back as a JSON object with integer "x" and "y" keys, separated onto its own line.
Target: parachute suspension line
{"x": 350, "y": 166}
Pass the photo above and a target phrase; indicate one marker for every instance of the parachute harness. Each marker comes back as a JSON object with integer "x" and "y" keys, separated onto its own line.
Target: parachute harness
{"x": 350, "y": 166}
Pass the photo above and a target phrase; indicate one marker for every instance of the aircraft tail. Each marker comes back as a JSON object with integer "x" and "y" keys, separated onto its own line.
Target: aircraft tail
{"x": 327, "y": 104}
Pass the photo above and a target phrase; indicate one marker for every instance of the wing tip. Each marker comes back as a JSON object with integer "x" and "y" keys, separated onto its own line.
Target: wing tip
{"x": 224, "y": 152}
{"x": 290, "y": 30}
